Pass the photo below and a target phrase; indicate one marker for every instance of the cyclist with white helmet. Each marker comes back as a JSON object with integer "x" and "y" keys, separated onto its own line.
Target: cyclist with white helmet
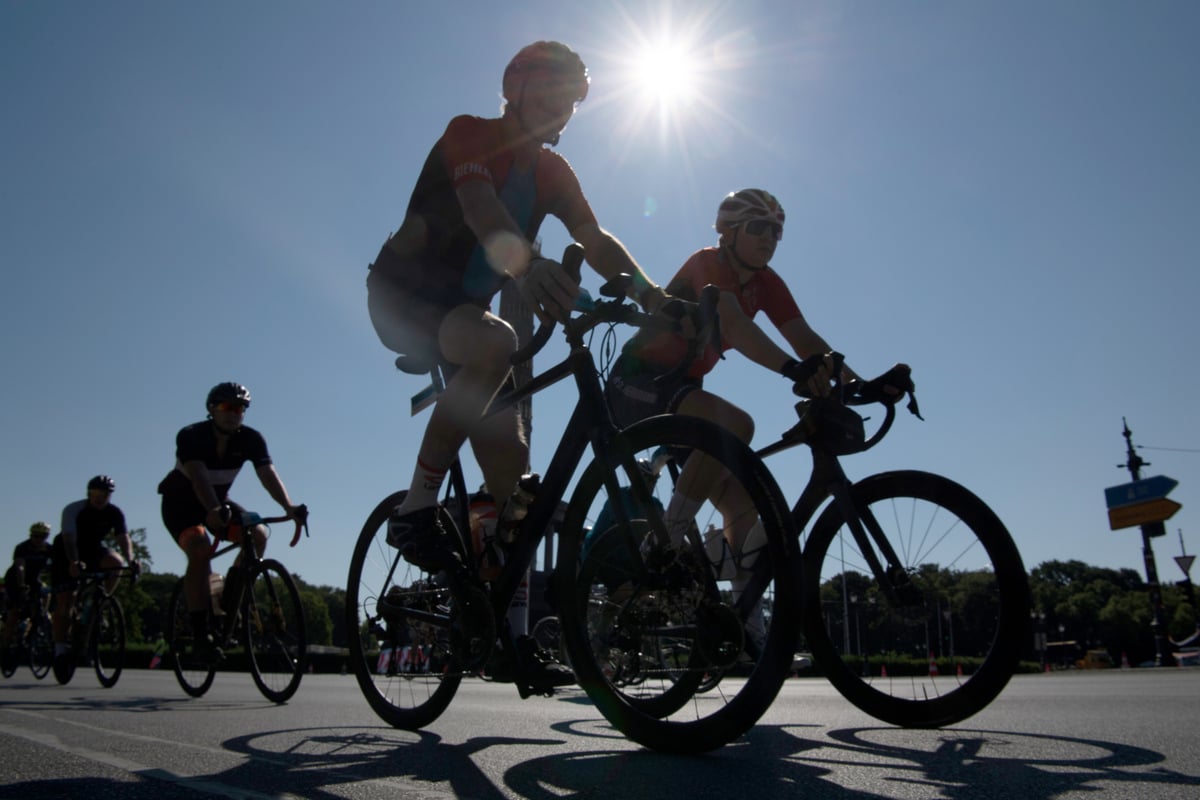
{"x": 471, "y": 224}
{"x": 195, "y": 494}
{"x": 749, "y": 225}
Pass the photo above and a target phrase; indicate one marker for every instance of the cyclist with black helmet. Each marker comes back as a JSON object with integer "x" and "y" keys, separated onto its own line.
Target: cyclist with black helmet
{"x": 86, "y": 524}
{"x": 22, "y": 581}
{"x": 195, "y": 494}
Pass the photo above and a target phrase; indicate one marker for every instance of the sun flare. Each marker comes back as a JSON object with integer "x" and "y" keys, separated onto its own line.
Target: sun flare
{"x": 666, "y": 74}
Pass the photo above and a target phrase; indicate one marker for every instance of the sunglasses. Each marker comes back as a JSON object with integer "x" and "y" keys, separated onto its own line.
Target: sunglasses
{"x": 230, "y": 407}
{"x": 42, "y": 536}
{"x": 757, "y": 227}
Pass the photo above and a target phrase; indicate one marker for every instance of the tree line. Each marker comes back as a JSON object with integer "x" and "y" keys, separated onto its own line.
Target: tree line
{"x": 1076, "y": 607}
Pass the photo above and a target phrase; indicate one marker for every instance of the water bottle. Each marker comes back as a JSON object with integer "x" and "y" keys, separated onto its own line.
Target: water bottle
{"x": 488, "y": 553}
{"x": 216, "y": 587}
{"x": 518, "y": 506}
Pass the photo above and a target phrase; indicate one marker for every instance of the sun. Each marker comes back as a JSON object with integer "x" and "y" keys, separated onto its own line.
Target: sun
{"x": 666, "y": 73}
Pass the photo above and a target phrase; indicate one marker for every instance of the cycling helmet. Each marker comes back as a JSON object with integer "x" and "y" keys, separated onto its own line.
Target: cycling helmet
{"x": 746, "y": 205}
{"x": 39, "y": 529}
{"x": 103, "y": 483}
{"x": 552, "y": 57}
{"x": 228, "y": 392}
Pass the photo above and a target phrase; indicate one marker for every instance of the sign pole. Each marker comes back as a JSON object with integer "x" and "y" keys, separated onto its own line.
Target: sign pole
{"x": 1134, "y": 464}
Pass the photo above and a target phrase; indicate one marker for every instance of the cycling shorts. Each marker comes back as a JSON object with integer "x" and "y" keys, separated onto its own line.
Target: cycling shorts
{"x": 408, "y": 299}
{"x": 634, "y": 392}
{"x": 180, "y": 513}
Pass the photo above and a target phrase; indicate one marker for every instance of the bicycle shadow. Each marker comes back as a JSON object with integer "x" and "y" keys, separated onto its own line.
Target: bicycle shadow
{"x": 770, "y": 760}
{"x": 316, "y": 762}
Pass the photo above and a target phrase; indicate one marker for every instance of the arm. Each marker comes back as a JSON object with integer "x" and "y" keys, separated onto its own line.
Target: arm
{"x": 503, "y": 241}
{"x": 197, "y": 473}
{"x": 746, "y": 337}
{"x": 605, "y": 253}
{"x": 807, "y": 342}
{"x": 274, "y": 486}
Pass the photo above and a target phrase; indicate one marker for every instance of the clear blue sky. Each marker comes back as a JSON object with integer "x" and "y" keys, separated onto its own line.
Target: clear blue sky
{"x": 1004, "y": 195}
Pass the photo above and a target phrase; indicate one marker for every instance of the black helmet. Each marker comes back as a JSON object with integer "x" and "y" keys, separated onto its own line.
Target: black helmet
{"x": 228, "y": 392}
{"x": 103, "y": 483}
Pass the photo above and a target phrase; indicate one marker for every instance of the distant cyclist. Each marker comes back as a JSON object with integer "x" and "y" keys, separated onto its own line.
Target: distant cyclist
{"x": 86, "y": 525}
{"x": 195, "y": 494}
{"x": 22, "y": 581}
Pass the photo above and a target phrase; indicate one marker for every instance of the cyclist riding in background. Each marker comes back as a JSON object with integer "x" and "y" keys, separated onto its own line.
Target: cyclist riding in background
{"x": 195, "y": 494}
{"x": 481, "y": 197}
{"x": 750, "y": 226}
{"x": 22, "y": 581}
{"x": 81, "y": 546}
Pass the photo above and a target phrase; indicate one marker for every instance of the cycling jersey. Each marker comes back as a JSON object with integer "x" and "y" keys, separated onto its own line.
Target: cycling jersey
{"x": 181, "y": 509}
{"x": 91, "y": 526}
{"x": 35, "y": 559}
{"x": 765, "y": 291}
{"x": 453, "y": 268}
{"x": 198, "y": 442}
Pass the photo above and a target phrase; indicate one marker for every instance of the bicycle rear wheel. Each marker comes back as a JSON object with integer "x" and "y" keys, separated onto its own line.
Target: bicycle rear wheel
{"x": 407, "y": 662}
{"x": 646, "y": 630}
{"x": 945, "y": 634}
{"x": 106, "y": 640}
{"x": 192, "y": 663}
{"x": 41, "y": 646}
{"x": 276, "y": 640}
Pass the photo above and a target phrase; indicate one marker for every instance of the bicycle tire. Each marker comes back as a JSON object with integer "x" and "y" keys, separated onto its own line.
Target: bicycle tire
{"x": 608, "y": 621}
{"x": 275, "y": 633}
{"x": 408, "y": 670}
{"x": 194, "y": 673}
{"x": 962, "y": 569}
{"x": 9, "y": 656}
{"x": 41, "y": 646}
{"x": 106, "y": 640}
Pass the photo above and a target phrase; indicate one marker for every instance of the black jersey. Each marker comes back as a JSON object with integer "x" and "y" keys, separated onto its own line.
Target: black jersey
{"x": 35, "y": 559}
{"x": 91, "y": 526}
{"x": 198, "y": 442}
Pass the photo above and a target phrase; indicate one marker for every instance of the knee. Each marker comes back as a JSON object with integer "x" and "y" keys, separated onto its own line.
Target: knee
{"x": 737, "y": 422}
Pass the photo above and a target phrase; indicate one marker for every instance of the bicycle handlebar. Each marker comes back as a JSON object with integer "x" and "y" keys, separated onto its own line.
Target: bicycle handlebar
{"x": 616, "y": 310}
{"x": 247, "y": 519}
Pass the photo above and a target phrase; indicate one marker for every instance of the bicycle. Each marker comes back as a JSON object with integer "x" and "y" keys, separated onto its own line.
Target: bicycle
{"x": 458, "y": 621}
{"x": 258, "y": 609}
{"x": 891, "y": 563}
{"x": 97, "y": 624}
{"x": 34, "y": 642}
{"x": 929, "y": 565}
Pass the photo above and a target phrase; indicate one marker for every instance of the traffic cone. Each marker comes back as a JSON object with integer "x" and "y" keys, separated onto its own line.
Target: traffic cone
{"x": 958, "y": 670}
{"x": 883, "y": 671}
{"x": 933, "y": 669}
{"x": 1124, "y": 660}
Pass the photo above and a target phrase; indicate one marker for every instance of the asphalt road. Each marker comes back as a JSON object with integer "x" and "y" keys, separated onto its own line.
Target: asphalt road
{"x": 1118, "y": 734}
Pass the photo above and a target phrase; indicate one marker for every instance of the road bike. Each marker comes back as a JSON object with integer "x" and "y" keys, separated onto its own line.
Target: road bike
{"x": 256, "y": 618}
{"x": 33, "y": 643}
{"x": 906, "y": 564}
{"x": 97, "y": 623}
{"x": 903, "y": 563}
{"x": 456, "y": 621}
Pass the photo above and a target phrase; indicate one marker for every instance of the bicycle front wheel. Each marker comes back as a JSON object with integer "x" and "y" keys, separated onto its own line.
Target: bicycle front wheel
{"x": 645, "y": 628}
{"x": 41, "y": 646}
{"x": 934, "y": 637}
{"x": 106, "y": 640}
{"x": 405, "y": 661}
{"x": 191, "y": 660}
{"x": 276, "y": 641}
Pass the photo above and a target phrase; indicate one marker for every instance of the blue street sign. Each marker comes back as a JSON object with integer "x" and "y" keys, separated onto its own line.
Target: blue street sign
{"x": 1139, "y": 491}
